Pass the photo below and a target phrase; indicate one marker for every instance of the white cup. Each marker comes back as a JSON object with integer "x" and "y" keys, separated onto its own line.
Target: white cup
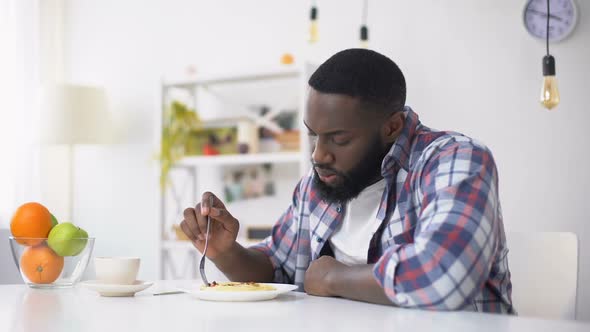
{"x": 116, "y": 270}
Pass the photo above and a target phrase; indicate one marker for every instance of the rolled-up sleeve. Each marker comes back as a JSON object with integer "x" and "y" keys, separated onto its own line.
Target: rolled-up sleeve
{"x": 281, "y": 245}
{"x": 456, "y": 235}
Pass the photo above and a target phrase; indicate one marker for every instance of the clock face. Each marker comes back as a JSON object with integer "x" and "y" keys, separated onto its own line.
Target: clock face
{"x": 563, "y": 17}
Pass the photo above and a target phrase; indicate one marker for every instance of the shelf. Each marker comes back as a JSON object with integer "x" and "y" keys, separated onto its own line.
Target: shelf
{"x": 187, "y": 245}
{"x": 177, "y": 245}
{"x": 265, "y": 74}
{"x": 241, "y": 159}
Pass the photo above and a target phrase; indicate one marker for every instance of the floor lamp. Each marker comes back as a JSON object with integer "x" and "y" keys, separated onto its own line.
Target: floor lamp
{"x": 75, "y": 115}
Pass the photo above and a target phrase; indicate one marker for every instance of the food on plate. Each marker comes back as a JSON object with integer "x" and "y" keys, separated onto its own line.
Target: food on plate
{"x": 237, "y": 287}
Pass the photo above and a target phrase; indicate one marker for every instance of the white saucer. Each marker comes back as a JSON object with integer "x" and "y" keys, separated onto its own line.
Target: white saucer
{"x": 114, "y": 289}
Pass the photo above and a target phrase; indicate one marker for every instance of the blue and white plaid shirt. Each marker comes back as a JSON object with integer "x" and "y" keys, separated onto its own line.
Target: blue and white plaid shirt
{"x": 451, "y": 254}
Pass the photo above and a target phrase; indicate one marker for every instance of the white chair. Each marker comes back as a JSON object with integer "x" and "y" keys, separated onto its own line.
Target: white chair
{"x": 544, "y": 268}
{"x": 8, "y": 272}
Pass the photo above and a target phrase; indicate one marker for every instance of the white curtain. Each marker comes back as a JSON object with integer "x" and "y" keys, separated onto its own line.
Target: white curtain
{"x": 20, "y": 90}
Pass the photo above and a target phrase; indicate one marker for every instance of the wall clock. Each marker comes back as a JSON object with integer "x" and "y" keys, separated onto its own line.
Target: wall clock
{"x": 562, "y": 22}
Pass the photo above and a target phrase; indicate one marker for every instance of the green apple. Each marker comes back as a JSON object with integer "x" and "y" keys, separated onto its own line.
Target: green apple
{"x": 53, "y": 220}
{"x": 67, "y": 239}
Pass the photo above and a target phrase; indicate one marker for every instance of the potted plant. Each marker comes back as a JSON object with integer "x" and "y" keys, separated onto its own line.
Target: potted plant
{"x": 179, "y": 122}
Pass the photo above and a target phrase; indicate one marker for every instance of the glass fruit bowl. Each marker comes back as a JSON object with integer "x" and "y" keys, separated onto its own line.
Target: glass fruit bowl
{"x": 53, "y": 264}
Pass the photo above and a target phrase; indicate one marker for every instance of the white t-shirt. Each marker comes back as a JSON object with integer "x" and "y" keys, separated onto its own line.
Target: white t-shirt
{"x": 350, "y": 242}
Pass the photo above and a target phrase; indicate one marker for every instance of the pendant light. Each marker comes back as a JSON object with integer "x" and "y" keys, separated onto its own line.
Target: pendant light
{"x": 313, "y": 28}
{"x": 549, "y": 91}
{"x": 364, "y": 34}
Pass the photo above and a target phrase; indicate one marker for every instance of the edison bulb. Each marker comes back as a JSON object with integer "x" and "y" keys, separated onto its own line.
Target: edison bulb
{"x": 313, "y": 32}
{"x": 549, "y": 91}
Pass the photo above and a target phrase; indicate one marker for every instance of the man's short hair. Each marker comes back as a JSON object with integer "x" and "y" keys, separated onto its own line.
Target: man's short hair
{"x": 364, "y": 74}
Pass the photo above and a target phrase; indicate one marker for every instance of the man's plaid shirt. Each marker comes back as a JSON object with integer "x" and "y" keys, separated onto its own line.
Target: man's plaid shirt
{"x": 451, "y": 254}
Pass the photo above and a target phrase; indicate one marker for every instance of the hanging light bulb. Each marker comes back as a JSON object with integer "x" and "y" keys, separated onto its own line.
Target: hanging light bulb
{"x": 549, "y": 91}
{"x": 364, "y": 29}
{"x": 313, "y": 28}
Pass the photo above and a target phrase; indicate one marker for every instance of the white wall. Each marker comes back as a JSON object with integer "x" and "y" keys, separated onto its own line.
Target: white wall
{"x": 470, "y": 66}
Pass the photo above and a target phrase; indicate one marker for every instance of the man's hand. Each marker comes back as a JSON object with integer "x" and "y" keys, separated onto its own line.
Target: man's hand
{"x": 223, "y": 230}
{"x": 235, "y": 261}
{"x": 320, "y": 275}
{"x": 328, "y": 277}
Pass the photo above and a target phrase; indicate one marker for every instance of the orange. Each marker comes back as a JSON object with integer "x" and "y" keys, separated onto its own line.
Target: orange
{"x": 31, "y": 220}
{"x": 41, "y": 265}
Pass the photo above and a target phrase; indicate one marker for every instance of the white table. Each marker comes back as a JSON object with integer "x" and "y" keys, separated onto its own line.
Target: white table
{"x": 79, "y": 309}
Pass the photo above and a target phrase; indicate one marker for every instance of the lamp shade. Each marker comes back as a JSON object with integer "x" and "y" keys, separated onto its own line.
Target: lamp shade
{"x": 75, "y": 114}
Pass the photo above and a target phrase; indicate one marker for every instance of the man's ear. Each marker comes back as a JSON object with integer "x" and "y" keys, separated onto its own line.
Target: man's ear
{"x": 393, "y": 126}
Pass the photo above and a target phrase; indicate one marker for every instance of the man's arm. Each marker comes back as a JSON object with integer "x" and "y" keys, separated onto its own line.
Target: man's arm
{"x": 241, "y": 264}
{"x": 328, "y": 277}
{"x": 459, "y": 224}
{"x": 232, "y": 259}
{"x": 273, "y": 260}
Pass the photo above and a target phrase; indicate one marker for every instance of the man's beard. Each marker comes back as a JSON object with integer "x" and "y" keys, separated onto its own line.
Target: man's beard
{"x": 354, "y": 181}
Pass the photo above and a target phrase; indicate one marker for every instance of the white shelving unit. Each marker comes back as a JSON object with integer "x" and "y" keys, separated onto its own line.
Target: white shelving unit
{"x": 246, "y": 159}
{"x": 262, "y": 74}
{"x": 194, "y": 174}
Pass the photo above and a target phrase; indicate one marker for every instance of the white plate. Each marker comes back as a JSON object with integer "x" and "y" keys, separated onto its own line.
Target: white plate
{"x": 114, "y": 289}
{"x": 211, "y": 295}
